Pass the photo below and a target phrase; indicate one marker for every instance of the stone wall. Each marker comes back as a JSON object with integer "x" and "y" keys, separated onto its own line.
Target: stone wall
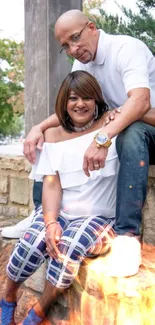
{"x": 15, "y": 187}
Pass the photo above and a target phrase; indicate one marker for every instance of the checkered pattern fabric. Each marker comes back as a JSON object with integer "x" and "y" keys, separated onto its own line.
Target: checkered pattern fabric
{"x": 78, "y": 240}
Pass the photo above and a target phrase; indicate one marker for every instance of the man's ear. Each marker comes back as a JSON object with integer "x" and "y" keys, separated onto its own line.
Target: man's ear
{"x": 92, "y": 25}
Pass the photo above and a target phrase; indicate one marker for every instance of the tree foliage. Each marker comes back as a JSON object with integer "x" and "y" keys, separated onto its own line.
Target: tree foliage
{"x": 11, "y": 83}
{"x": 141, "y": 25}
{"x": 146, "y": 3}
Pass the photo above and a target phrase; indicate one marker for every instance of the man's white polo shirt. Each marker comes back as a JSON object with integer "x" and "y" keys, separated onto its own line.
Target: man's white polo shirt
{"x": 122, "y": 63}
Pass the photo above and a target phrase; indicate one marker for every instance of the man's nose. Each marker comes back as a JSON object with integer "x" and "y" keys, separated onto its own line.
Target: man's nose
{"x": 73, "y": 50}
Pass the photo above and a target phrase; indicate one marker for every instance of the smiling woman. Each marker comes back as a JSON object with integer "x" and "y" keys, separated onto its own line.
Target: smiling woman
{"x": 78, "y": 211}
{"x": 79, "y": 92}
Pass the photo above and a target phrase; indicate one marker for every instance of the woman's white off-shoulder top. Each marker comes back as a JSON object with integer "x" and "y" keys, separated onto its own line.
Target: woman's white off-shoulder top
{"x": 82, "y": 195}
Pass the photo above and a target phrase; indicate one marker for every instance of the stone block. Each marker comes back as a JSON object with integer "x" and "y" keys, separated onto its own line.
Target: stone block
{"x": 152, "y": 171}
{"x": 19, "y": 190}
{"x": 9, "y": 211}
{"x": 36, "y": 281}
{"x": 27, "y": 165}
{"x": 3, "y": 184}
{"x": 12, "y": 163}
{"x": 24, "y": 212}
{"x": 149, "y": 216}
{"x": 3, "y": 199}
{"x": 31, "y": 204}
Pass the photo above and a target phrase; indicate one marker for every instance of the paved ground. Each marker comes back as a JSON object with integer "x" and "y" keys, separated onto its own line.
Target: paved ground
{"x": 12, "y": 149}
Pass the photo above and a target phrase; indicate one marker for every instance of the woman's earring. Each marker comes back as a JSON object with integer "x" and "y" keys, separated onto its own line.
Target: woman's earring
{"x": 96, "y": 112}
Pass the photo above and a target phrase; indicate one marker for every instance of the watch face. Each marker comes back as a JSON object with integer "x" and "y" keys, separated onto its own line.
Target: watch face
{"x": 101, "y": 139}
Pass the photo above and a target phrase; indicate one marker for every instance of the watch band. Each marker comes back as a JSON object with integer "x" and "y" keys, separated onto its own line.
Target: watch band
{"x": 100, "y": 145}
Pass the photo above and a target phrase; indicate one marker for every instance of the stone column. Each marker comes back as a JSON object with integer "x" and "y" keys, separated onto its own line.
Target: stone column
{"x": 45, "y": 67}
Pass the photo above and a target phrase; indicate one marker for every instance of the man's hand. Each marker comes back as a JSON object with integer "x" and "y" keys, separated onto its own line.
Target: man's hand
{"x": 94, "y": 158}
{"x": 53, "y": 234}
{"x": 34, "y": 140}
{"x": 111, "y": 115}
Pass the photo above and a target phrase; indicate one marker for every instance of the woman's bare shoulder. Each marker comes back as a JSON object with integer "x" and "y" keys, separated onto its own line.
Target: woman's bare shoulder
{"x": 53, "y": 134}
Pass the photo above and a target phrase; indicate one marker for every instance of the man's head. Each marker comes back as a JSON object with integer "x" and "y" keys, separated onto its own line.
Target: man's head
{"x": 77, "y": 35}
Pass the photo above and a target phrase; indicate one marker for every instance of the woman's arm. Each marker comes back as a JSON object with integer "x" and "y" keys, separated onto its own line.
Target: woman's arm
{"x": 51, "y": 201}
{"x": 51, "y": 198}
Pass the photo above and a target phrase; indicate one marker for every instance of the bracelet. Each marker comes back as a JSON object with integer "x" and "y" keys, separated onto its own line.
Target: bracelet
{"x": 50, "y": 223}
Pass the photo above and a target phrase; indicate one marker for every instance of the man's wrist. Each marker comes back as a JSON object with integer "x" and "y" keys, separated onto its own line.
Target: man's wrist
{"x": 43, "y": 126}
{"x": 102, "y": 140}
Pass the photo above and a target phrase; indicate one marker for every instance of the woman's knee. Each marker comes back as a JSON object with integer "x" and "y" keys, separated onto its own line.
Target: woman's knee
{"x": 70, "y": 249}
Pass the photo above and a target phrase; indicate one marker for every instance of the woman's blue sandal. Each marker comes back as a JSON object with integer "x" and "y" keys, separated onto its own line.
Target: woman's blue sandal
{"x": 7, "y": 313}
{"x": 32, "y": 318}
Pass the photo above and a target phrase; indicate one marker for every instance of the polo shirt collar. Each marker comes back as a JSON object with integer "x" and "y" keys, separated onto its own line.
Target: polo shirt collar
{"x": 100, "y": 55}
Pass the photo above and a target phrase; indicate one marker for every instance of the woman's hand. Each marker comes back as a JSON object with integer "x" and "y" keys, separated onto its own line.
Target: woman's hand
{"x": 52, "y": 237}
{"x": 33, "y": 141}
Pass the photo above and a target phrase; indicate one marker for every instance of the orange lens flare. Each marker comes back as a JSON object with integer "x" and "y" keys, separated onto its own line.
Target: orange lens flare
{"x": 97, "y": 299}
{"x": 50, "y": 178}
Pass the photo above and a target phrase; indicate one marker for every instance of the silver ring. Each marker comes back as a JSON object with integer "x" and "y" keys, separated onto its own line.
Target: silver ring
{"x": 96, "y": 166}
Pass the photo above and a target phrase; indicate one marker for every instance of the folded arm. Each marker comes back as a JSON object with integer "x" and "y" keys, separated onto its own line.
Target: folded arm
{"x": 136, "y": 106}
{"x": 149, "y": 117}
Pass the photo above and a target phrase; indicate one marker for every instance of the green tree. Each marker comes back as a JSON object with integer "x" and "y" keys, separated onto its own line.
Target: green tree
{"x": 141, "y": 25}
{"x": 147, "y": 3}
{"x": 11, "y": 83}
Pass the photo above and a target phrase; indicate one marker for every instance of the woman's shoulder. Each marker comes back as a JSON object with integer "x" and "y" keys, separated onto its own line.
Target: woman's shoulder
{"x": 54, "y": 134}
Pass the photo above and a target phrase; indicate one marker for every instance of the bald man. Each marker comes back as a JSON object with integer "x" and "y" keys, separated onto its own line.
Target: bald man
{"x": 125, "y": 70}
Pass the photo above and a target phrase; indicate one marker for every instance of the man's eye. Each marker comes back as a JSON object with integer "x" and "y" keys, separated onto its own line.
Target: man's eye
{"x": 75, "y": 38}
{"x": 66, "y": 47}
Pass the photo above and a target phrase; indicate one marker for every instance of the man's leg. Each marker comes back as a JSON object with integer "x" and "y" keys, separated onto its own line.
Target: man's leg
{"x": 134, "y": 145}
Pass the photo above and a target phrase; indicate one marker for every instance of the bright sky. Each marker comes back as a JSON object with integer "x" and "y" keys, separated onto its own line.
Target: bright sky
{"x": 12, "y": 16}
{"x": 12, "y": 19}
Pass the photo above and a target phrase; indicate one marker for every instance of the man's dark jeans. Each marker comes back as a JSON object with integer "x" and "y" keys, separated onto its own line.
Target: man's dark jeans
{"x": 37, "y": 193}
{"x": 136, "y": 150}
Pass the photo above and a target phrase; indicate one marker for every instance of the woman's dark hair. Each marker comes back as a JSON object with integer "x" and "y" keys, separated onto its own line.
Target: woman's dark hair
{"x": 84, "y": 85}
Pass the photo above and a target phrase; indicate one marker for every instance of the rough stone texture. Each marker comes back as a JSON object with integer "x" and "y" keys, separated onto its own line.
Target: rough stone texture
{"x": 37, "y": 281}
{"x": 19, "y": 190}
{"x": 27, "y": 166}
{"x": 14, "y": 182}
{"x": 3, "y": 184}
{"x": 5, "y": 222}
{"x": 13, "y": 163}
{"x": 3, "y": 199}
{"x": 9, "y": 211}
{"x": 148, "y": 227}
{"x": 24, "y": 212}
